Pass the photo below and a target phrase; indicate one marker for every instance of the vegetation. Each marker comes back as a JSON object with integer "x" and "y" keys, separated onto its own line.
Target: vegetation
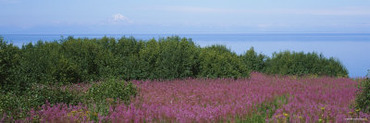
{"x": 46, "y": 75}
{"x": 111, "y": 89}
{"x": 9, "y": 60}
{"x": 363, "y": 95}
{"x": 18, "y": 106}
{"x": 219, "y": 62}
{"x": 254, "y": 61}
{"x": 299, "y": 63}
{"x": 80, "y": 60}
{"x": 12, "y": 104}
{"x": 262, "y": 98}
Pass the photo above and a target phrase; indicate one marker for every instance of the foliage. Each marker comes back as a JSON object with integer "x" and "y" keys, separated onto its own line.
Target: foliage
{"x": 101, "y": 94}
{"x": 9, "y": 59}
{"x": 264, "y": 110}
{"x": 111, "y": 90}
{"x": 254, "y": 61}
{"x": 53, "y": 95}
{"x": 261, "y": 98}
{"x": 363, "y": 96}
{"x": 127, "y": 64}
{"x": 74, "y": 60}
{"x": 36, "y": 73}
{"x": 169, "y": 58}
{"x": 43, "y": 63}
{"x": 79, "y": 60}
{"x": 300, "y": 63}
{"x": 217, "y": 61}
{"x": 93, "y": 57}
{"x": 10, "y": 103}
{"x": 13, "y": 104}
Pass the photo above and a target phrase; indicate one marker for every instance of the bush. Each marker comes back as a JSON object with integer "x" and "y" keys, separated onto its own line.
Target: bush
{"x": 299, "y": 63}
{"x": 219, "y": 62}
{"x": 254, "y": 61}
{"x": 127, "y": 64}
{"x": 363, "y": 96}
{"x": 18, "y": 105}
{"x": 69, "y": 61}
{"x": 10, "y": 103}
{"x": 53, "y": 95}
{"x": 92, "y": 57}
{"x": 9, "y": 60}
{"x": 169, "y": 58}
{"x": 46, "y": 63}
{"x": 111, "y": 89}
{"x": 79, "y": 60}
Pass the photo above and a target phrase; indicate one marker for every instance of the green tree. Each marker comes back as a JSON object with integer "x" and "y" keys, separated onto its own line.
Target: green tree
{"x": 9, "y": 59}
{"x": 254, "y": 61}
{"x": 300, "y": 63}
{"x": 217, "y": 61}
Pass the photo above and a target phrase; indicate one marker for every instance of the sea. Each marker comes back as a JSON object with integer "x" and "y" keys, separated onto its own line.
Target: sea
{"x": 352, "y": 49}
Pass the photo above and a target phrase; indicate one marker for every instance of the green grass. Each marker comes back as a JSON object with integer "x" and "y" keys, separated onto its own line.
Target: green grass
{"x": 264, "y": 111}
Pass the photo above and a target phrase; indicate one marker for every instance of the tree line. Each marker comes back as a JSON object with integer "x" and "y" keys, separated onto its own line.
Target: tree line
{"x": 74, "y": 60}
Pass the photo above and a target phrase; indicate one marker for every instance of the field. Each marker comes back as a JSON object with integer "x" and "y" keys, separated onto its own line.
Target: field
{"x": 261, "y": 98}
{"x": 183, "y": 61}
{"x": 172, "y": 80}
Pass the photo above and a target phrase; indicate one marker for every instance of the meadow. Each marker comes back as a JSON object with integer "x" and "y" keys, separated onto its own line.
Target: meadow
{"x": 172, "y": 80}
{"x": 261, "y": 98}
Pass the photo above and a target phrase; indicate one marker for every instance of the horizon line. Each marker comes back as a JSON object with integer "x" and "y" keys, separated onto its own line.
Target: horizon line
{"x": 205, "y": 33}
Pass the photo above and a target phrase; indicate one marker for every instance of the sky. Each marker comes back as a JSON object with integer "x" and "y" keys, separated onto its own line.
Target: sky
{"x": 182, "y": 16}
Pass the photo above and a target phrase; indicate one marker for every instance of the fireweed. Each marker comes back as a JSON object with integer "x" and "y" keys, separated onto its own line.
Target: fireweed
{"x": 211, "y": 100}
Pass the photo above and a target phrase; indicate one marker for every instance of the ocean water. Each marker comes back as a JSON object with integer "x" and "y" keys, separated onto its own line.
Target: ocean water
{"x": 352, "y": 49}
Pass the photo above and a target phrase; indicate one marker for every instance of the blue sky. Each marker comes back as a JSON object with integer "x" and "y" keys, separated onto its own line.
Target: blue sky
{"x": 182, "y": 16}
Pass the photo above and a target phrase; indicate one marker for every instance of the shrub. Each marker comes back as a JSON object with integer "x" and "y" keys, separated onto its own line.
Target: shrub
{"x": 79, "y": 60}
{"x": 300, "y": 63}
{"x": 36, "y": 61}
{"x": 9, "y": 59}
{"x": 176, "y": 58}
{"x": 10, "y": 103}
{"x": 65, "y": 71}
{"x": 363, "y": 96}
{"x": 111, "y": 89}
{"x": 254, "y": 61}
{"x": 219, "y": 62}
{"x": 45, "y": 63}
{"x": 18, "y": 105}
{"x": 92, "y": 59}
{"x": 54, "y": 95}
{"x": 69, "y": 61}
{"x": 127, "y": 64}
